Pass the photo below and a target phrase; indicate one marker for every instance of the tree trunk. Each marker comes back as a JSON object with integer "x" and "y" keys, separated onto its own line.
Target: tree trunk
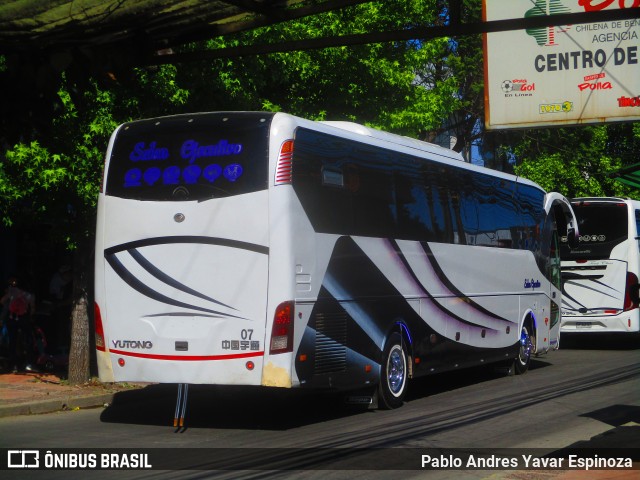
{"x": 79, "y": 369}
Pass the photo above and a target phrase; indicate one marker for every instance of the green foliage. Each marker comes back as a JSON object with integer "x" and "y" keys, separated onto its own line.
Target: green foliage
{"x": 386, "y": 85}
{"x": 58, "y": 182}
{"x": 415, "y": 88}
{"x": 55, "y": 138}
{"x": 578, "y": 162}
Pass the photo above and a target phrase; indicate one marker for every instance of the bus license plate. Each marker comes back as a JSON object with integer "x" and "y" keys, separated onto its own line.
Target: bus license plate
{"x": 583, "y": 324}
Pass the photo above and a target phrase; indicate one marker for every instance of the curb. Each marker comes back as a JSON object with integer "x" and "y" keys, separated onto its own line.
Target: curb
{"x": 63, "y": 403}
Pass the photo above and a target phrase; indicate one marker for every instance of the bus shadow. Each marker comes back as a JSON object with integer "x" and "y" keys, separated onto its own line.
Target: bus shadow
{"x": 457, "y": 379}
{"x": 619, "y": 441}
{"x": 226, "y": 407}
{"x": 600, "y": 341}
{"x": 261, "y": 408}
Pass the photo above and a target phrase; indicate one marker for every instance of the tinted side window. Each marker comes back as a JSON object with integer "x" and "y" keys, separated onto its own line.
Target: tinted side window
{"x": 374, "y": 204}
{"x": 467, "y": 211}
{"x": 532, "y": 214}
{"x": 423, "y": 198}
{"x": 353, "y": 188}
{"x": 414, "y": 205}
{"x": 319, "y": 162}
{"x": 497, "y": 211}
{"x": 345, "y": 187}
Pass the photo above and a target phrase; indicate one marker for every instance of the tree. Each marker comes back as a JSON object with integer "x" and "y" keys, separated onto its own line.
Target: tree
{"x": 54, "y": 147}
{"x": 51, "y": 168}
{"x": 54, "y": 178}
{"x": 377, "y": 84}
{"x": 577, "y": 162}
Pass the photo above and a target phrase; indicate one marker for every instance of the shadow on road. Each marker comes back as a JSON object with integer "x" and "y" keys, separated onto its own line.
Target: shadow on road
{"x": 261, "y": 408}
{"x": 622, "y": 440}
{"x": 600, "y": 341}
{"x": 453, "y": 380}
{"x": 232, "y": 407}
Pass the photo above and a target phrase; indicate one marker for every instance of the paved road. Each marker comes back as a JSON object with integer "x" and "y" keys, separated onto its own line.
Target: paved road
{"x": 574, "y": 397}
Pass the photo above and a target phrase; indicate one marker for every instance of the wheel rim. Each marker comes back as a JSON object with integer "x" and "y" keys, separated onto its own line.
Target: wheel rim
{"x": 396, "y": 370}
{"x": 526, "y": 346}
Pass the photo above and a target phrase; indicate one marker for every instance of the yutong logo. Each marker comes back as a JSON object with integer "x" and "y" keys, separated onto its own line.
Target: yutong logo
{"x": 146, "y": 344}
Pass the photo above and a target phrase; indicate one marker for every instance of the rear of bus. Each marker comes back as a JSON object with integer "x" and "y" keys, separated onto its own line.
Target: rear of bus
{"x": 182, "y": 250}
{"x": 600, "y": 275}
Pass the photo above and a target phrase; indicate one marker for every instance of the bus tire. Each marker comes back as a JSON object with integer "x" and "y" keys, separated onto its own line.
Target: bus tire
{"x": 523, "y": 360}
{"x": 393, "y": 374}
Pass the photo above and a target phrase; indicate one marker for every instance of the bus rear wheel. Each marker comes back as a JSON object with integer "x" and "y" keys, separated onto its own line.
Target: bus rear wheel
{"x": 523, "y": 360}
{"x": 393, "y": 374}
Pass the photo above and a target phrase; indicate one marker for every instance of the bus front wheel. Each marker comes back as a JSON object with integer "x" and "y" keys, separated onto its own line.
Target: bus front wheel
{"x": 393, "y": 374}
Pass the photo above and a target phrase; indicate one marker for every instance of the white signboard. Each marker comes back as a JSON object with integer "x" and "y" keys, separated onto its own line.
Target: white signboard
{"x": 562, "y": 75}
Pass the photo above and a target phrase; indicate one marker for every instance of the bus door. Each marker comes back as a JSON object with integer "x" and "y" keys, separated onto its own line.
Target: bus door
{"x": 560, "y": 224}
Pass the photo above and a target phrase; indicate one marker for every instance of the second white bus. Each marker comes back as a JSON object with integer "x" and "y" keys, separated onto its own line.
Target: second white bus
{"x": 252, "y": 248}
{"x": 601, "y": 274}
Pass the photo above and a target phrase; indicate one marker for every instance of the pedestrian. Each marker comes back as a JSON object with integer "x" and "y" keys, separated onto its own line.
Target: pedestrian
{"x": 18, "y": 307}
{"x": 60, "y": 294}
{"x": 60, "y": 284}
{"x": 4, "y": 328}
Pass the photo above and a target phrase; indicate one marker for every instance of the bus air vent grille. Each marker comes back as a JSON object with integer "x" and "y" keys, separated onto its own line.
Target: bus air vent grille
{"x": 331, "y": 339}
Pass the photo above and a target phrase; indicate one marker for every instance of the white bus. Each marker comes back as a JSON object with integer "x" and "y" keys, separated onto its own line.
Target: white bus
{"x": 247, "y": 248}
{"x": 601, "y": 274}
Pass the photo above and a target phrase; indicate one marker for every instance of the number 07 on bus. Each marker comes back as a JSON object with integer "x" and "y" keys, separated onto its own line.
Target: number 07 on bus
{"x": 252, "y": 248}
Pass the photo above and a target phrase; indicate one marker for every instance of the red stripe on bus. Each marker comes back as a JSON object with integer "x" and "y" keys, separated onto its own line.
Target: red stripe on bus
{"x": 188, "y": 358}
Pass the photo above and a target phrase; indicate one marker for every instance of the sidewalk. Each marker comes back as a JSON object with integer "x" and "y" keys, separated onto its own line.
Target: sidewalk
{"x": 35, "y": 392}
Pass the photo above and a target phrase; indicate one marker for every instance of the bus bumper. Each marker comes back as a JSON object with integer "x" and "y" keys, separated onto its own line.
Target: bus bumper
{"x": 624, "y": 322}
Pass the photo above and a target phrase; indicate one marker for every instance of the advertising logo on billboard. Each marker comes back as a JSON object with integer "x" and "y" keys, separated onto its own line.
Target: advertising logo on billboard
{"x": 587, "y": 65}
{"x": 546, "y": 36}
{"x": 517, "y": 87}
{"x": 595, "y": 82}
{"x": 562, "y": 107}
{"x": 629, "y": 101}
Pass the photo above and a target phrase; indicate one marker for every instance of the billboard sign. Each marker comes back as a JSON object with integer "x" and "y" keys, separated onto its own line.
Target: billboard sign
{"x": 564, "y": 74}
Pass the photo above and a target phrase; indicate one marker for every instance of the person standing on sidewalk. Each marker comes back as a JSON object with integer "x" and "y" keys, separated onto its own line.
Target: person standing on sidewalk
{"x": 60, "y": 288}
{"x": 17, "y": 308}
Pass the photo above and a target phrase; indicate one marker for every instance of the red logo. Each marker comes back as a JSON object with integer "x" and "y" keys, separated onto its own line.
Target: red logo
{"x": 595, "y": 86}
{"x": 591, "y": 82}
{"x": 517, "y": 85}
{"x": 629, "y": 101}
{"x": 597, "y": 5}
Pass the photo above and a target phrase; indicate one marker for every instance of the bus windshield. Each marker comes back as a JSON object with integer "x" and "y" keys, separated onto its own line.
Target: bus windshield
{"x": 602, "y": 226}
{"x": 190, "y": 157}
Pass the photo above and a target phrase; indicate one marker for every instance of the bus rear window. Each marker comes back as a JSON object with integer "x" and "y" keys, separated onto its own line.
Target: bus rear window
{"x": 190, "y": 157}
{"x": 602, "y": 226}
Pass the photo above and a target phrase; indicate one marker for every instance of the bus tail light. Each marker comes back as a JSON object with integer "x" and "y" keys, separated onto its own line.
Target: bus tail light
{"x": 632, "y": 292}
{"x": 284, "y": 169}
{"x": 97, "y": 320}
{"x": 282, "y": 331}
